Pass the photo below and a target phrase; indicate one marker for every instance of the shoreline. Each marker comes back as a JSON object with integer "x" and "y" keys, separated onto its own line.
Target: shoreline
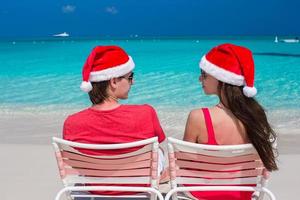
{"x": 39, "y": 127}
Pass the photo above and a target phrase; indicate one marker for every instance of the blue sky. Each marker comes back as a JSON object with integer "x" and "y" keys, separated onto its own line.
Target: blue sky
{"x": 149, "y": 17}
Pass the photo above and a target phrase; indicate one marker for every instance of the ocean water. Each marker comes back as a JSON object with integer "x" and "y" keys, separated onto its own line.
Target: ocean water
{"x": 44, "y": 74}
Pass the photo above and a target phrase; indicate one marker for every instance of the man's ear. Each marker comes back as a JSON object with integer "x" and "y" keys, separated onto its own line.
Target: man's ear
{"x": 113, "y": 83}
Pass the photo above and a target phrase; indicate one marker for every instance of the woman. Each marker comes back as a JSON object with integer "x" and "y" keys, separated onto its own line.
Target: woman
{"x": 228, "y": 72}
{"x": 108, "y": 77}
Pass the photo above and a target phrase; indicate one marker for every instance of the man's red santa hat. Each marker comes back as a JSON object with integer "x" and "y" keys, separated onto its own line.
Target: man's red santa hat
{"x": 104, "y": 63}
{"x": 231, "y": 64}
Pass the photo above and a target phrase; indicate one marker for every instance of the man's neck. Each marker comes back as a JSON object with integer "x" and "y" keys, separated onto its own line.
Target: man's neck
{"x": 108, "y": 104}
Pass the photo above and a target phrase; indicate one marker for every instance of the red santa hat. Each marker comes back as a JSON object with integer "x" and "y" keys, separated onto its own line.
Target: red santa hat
{"x": 104, "y": 63}
{"x": 231, "y": 64}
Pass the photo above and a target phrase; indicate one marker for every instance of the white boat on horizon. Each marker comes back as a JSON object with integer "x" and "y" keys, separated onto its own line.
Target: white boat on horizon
{"x": 287, "y": 40}
{"x": 64, "y": 34}
{"x": 292, "y": 40}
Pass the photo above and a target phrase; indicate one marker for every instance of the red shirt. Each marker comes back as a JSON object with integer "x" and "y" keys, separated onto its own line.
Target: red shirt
{"x": 126, "y": 123}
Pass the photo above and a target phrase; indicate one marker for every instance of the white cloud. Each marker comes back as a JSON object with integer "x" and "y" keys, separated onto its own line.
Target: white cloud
{"x": 68, "y": 9}
{"x": 112, "y": 10}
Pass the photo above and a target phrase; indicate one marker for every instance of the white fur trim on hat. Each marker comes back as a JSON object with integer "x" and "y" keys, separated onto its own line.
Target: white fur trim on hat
{"x": 249, "y": 91}
{"x": 113, "y": 72}
{"x": 221, "y": 74}
{"x": 86, "y": 86}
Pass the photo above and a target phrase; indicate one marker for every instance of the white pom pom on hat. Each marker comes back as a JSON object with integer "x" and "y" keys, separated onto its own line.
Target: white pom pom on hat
{"x": 104, "y": 63}
{"x": 86, "y": 86}
{"x": 249, "y": 91}
{"x": 231, "y": 64}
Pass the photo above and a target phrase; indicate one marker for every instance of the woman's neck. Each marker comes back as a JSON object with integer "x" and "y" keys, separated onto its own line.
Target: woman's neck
{"x": 220, "y": 105}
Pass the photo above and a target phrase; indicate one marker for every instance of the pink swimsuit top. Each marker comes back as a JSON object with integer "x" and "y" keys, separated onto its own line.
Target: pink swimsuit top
{"x": 209, "y": 127}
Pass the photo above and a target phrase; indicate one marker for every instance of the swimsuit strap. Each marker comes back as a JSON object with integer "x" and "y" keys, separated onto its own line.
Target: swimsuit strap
{"x": 209, "y": 127}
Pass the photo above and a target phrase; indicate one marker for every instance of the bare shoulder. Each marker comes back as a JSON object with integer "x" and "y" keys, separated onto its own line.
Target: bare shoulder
{"x": 193, "y": 125}
{"x": 196, "y": 115}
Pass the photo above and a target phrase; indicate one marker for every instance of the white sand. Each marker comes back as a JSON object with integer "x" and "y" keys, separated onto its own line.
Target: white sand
{"x": 28, "y": 166}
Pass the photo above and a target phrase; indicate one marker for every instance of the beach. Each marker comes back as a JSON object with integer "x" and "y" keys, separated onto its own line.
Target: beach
{"x": 39, "y": 87}
{"x": 30, "y": 171}
{"x": 45, "y": 55}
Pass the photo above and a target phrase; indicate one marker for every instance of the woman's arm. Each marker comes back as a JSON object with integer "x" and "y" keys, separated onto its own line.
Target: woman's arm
{"x": 193, "y": 125}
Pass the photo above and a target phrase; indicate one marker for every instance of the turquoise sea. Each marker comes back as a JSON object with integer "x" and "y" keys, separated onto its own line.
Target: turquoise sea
{"x": 44, "y": 74}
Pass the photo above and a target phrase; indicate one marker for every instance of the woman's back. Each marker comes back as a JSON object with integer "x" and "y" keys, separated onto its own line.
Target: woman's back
{"x": 219, "y": 127}
{"x": 228, "y": 130}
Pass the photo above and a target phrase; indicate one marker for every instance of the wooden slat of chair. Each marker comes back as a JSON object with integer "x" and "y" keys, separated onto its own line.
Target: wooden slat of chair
{"x": 73, "y": 179}
{"x": 218, "y": 167}
{"x": 231, "y": 181}
{"x": 214, "y": 159}
{"x": 112, "y": 160}
{"x": 87, "y": 165}
{"x": 219, "y": 175}
{"x": 143, "y": 149}
{"x": 112, "y": 173}
{"x": 216, "y": 153}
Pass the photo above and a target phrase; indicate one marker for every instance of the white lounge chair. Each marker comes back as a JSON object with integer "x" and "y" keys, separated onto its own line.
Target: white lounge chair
{"x": 215, "y": 167}
{"x": 79, "y": 170}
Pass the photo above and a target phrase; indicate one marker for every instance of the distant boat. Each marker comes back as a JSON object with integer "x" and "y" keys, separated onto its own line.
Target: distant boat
{"x": 64, "y": 34}
{"x": 287, "y": 40}
{"x": 295, "y": 40}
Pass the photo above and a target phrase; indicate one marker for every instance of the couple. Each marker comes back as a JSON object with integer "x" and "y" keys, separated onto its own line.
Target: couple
{"x": 226, "y": 71}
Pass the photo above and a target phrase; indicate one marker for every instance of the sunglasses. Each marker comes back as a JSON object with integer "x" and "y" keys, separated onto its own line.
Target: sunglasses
{"x": 129, "y": 78}
{"x": 203, "y": 74}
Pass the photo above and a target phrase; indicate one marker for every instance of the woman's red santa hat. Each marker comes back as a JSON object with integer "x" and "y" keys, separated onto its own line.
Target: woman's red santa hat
{"x": 231, "y": 64}
{"x": 105, "y": 63}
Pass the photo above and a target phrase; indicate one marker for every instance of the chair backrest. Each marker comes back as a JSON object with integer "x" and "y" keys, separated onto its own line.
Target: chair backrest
{"x": 137, "y": 167}
{"x": 222, "y": 165}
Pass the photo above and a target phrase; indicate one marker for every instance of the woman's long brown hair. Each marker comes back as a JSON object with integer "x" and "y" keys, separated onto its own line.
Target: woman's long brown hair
{"x": 254, "y": 119}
